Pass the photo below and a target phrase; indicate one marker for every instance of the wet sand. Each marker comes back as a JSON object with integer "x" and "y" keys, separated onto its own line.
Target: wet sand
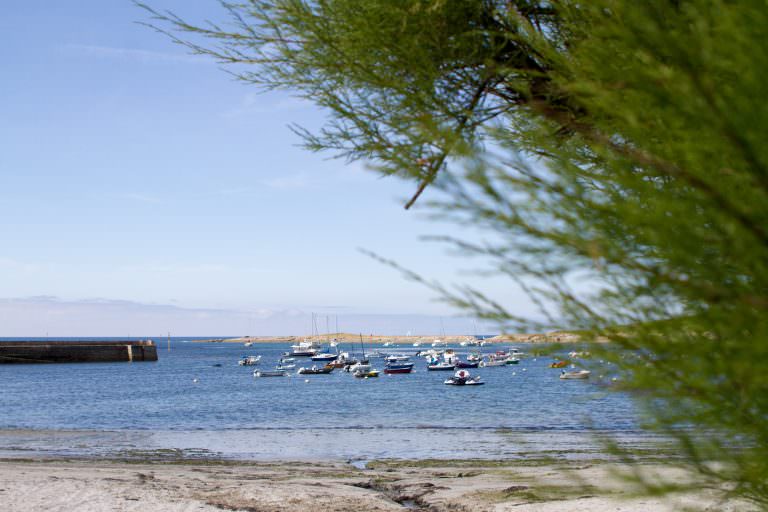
{"x": 427, "y": 485}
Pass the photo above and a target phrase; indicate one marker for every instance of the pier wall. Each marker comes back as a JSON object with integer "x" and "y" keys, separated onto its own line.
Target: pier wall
{"x": 21, "y": 352}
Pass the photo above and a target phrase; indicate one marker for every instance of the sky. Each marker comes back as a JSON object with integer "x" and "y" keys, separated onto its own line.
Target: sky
{"x": 142, "y": 189}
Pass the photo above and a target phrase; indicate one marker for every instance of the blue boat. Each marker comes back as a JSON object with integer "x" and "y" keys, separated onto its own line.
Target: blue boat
{"x": 398, "y": 368}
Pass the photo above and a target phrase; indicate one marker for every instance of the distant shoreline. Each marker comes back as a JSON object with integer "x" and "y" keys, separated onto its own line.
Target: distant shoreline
{"x": 551, "y": 337}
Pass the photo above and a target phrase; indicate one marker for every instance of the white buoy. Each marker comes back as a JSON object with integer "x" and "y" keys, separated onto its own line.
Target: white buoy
{"x": 514, "y": 373}
{"x": 194, "y": 381}
{"x": 525, "y": 369}
{"x": 306, "y": 381}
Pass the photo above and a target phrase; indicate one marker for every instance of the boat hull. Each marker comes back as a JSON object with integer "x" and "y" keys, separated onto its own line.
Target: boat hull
{"x": 441, "y": 368}
{"x": 398, "y": 370}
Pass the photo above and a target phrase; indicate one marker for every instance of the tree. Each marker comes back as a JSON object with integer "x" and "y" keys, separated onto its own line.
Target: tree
{"x": 612, "y": 141}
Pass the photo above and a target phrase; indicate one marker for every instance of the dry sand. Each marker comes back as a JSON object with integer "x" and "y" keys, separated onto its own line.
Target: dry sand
{"x": 96, "y": 486}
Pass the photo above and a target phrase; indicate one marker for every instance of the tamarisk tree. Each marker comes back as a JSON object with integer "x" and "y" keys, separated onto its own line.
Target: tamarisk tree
{"x": 613, "y": 142}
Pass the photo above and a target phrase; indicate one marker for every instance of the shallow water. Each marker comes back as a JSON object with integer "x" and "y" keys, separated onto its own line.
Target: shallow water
{"x": 185, "y": 402}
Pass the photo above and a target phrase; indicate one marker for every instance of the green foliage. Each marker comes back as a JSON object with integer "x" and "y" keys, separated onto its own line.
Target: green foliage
{"x": 613, "y": 142}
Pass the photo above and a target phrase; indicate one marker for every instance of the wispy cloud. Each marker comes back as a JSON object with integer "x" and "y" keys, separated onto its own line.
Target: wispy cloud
{"x": 255, "y": 103}
{"x": 133, "y": 54}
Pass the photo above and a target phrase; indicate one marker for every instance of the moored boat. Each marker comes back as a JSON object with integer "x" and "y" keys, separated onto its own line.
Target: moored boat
{"x": 559, "y": 364}
{"x": 475, "y": 357}
{"x": 324, "y": 357}
{"x": 467, "y": 364}
{"x": 366, "y": 374}
{"x": 462, "y": 378}
{"x": 249, "y": 360}
{"x": 314, "y": 370}
{"x": 270, "y": 373}
{"x": 442, "y": 366}
{"x": 397, "y": 358}
{"x": 305, "y": 349}
{"x": 579, "y": 374}
{"x": 399, "y": 368}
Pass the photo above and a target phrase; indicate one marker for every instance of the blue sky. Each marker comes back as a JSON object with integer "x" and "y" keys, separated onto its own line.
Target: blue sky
{"x": 134, "y": 173}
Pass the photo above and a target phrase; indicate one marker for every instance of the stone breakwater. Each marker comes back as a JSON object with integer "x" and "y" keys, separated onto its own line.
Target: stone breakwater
{"x": 24, "y": 352}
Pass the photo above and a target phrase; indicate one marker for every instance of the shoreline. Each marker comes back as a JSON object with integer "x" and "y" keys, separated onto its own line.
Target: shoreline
{"x": 424, "y": 340}
{"x": 384, "y": 486}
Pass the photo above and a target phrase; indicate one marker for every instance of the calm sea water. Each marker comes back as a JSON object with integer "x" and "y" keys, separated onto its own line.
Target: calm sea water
{"x": 186, "y": 401}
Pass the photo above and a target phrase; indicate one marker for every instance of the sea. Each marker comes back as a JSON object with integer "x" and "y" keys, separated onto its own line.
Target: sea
{"x": 196, "y": 402}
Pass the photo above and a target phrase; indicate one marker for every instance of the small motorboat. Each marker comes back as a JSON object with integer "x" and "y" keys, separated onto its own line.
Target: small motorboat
{"x": 387, "y": 344}
{"x": 361, "y": 366}
{"x": 474, "y": 357}
{"x": 397, "y": 358}
{"x": 360, "y": 374}
{"x": 494, "y": 360}
{"x": 267, "y": 373}
{"x": 443, "y": 366}
{"x": 399, "y": 368}
{"x": 579, "y": 374}
{"x": 324, "y": 357}
{"x": 439, "y": 343}
{"x": 559, "y": 364}
{"x": 314, "y": 370}
{"x": 249, "y": 360}
{"x": 467, "y": 364}
{"x": 512, "y": 360}
{"x": 290, "y": 366}
{"x": 462, "y": 378}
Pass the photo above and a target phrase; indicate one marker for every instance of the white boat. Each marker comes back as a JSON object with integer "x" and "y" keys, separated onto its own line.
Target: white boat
{"x": 474, "y": 357}
{"x": 462, "y": 378}
{"x": 416, "y": 343}
{"x": 439, "y": 343}
{"x": 359, "y": 367}
{"x": 442, "y": 366}
{"x": 247, "y": 343}
{"x": 394, "y": 358}
{"x": 494, "y": 361}
{"x": 249, "y": 360}
{"x": 305, "y": 348}
{"x": 579, "y": 374}
{"x": 387, "y": 344}
{"x": 289, "y": 366}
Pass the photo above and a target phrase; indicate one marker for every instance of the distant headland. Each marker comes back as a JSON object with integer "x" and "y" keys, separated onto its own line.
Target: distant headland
{"x": 342, "y": 337}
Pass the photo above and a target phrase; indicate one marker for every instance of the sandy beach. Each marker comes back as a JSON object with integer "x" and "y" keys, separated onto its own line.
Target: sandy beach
{"x": 434, "y": 486}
